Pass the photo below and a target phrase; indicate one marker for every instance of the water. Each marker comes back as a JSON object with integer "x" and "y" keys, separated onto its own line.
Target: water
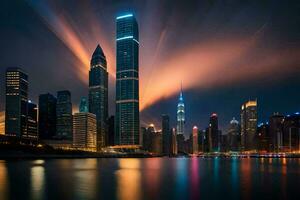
{"x": 150, "y": 178}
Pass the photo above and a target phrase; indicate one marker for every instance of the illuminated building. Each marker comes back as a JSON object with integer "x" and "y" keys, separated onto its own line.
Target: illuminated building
{"x": 291, "y": 134}
{"x": 166, "y": 134}
{"x": 174, "y": 147}
{"x": 276, "y": 131}
{"x": 47, "y": 116}
{"x": 156, "y": 142}
{"x": 16, "y": 102}
{"x": 83, "y": 106}
{"x": 32, "y": 123}
{"x": 214, "y": 133}
{"x": 98, "y": 93}
{"x": 233, "y": 135}
{"x": 127, "y": 122}
{"x": 194, "y": 140}
{"x": 248, "y": 125}
{"x": 84, "y": 130}
{"x": 64, "y": 115}
{"x": 180, "y": 115}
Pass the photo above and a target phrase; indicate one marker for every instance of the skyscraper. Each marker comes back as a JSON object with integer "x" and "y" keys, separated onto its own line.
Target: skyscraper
{"x": 194, "y": 140}
{"x": 64, "y": 115}
{"x": 276, "y": 131}
{"x": 233, "y": 135}
{"x": 180, "y": 115}
{"x": 98, "y": 93}
{"x": 83, "y": 106}
{"x": 32, "y": 123}
{"x": 214, "y": 133}
{"x": 127, "y": 81}
{"x": 16, "y": 102}
{"x": 166, "y": 134}
{"x": 174, "y": 147}
{"x": 248, "y": 125}
{"x": 84, "y": 130}
{"x": 47, "y": 116}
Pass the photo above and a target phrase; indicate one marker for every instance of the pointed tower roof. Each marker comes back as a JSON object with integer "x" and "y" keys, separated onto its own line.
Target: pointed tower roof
{"x": 181, "y": 96}
{"x": 98, "y": 57}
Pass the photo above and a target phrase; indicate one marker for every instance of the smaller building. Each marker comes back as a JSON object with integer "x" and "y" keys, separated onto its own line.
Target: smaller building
{"x": 195, "y": 140}
{"x": 32, "y": 124}
{"x": 174, "y": 148}
{"x": 84, "y": 131}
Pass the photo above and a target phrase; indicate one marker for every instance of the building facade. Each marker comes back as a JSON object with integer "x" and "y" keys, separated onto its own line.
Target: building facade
{"x": 64, "y": 115}
{"x": 248, "y": 125}
{"x": 127, "y": 121}
{"x": 166, "y": 134}
{"x": 98, "y": 94}
{"x": 16, "y": 102}
{"x": 276, "y": 122}
{"x": 194, "y": 140}
{"x": 47, "y": 116}
{"x": 180, "y": 115}
{"x": 233, "y": 136}
{"x": 214, "y": 133}
{"x": 32, "y": 121}
{"x": 84, "y": 131}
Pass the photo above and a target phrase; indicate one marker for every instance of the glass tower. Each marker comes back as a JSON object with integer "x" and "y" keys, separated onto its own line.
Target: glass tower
{"x": 248, "y": 125}
{"x": 16, "y": 102}
{"x": 83, "y": 106}
{"x": 180, "y": 115}
{"x": 98, "y": 93}
{"x": 127, "y": 81}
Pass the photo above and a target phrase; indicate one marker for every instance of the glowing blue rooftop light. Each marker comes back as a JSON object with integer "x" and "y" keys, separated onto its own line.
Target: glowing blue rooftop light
{"x": 125, "y": 16}
{"x": 124, "y": 38}
{"x": 297, "y": 113}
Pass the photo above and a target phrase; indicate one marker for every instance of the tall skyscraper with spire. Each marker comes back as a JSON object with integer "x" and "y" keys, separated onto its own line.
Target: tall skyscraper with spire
{"x": 98, "y": 93}
{"x": 180, "y": 114}
{"x": 127, "y": 120}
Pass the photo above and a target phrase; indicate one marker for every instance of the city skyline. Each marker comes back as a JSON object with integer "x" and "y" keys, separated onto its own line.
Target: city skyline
{"x": 204, "y": 98}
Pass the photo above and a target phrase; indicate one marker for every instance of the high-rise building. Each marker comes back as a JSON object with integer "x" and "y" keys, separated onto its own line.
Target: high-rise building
{"x": 64, "y": 115}
{"x": 32, "y": 123}
{"x": 195, "y": 140}
{"x": 47, "y": 116}
{"x": 84, "y": 130}
{"x": 263, "y": 138}
{"x": 233, "y": 135}
{"x": 127, "y": 122}
{"x": 16, "y": 102}
{"x": 98, "y": 94}
{"x": 180, "y": 115}
{"x": 291, "y": 133}
{"x": 248, "y": 125}
{"x": 174, "y": 149}
{"x": 276, "y": 131}
{"x": 83, "y": 106}
{"x": 214, "y": 133}
{"x": 166, "y": 134}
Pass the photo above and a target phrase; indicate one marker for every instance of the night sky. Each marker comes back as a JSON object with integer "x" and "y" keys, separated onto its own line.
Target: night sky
{"x": 224, "y": 52}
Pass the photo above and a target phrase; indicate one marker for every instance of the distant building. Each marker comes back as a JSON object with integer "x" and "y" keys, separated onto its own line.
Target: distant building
{"x": 248, "y": 125}
{"x": 181, "y": 146}
{"x": 84, "y": 130}
{"x": 127, "y": 124}
{"x": 276, "y": 131}
{"x": 84, "y": 105}
{"x": 174, "y": 149}
{"x": 146, "y": 144}
{"x": 47, "y": 116}
{"x": 32, "y": 123}
{"x": 291, "y": 134}
{"x": 263, "y": 138}
{"x": 64, "y": 115}
{"x": 194, "y": 140}
{"x": 111, "y": 130}
{"x": 201, "y": 141}
{"x": 16, "y": 102}
{"x": 156, "y": 142}
{"x": 214, "y": 134}
{"x": 233, "y": 136}
{"x": 98, "y": 94}
{"x": 180, "y": 115}
{"x": 166, "y": 134}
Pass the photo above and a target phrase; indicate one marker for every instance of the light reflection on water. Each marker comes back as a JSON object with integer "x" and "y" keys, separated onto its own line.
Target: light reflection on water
{"x": 151, "y": 178}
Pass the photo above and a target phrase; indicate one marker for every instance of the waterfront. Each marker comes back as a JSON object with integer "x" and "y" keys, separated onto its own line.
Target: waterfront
{"x": 150, "y": 178}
